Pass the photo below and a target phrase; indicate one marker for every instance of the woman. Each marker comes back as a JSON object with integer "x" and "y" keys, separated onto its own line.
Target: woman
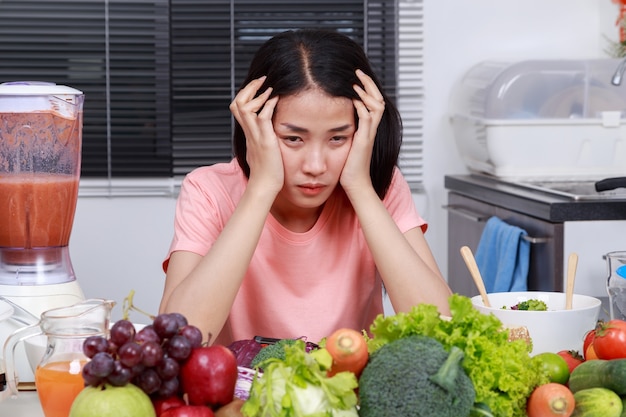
{"x": 298, "y": 234}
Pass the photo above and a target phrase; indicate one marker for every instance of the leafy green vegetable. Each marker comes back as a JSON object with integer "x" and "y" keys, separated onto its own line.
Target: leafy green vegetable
{"x": 502, "y": 372}
{"x": 299, "y": 386}
{"x": 530, "y": 305}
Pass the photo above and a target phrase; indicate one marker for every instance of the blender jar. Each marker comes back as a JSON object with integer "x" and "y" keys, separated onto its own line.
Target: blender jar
{"x": 40, "y": 158}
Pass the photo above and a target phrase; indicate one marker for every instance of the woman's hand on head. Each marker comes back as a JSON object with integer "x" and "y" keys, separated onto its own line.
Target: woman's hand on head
{"x": 254, "y": 114}
{"x": 369, "y": 109}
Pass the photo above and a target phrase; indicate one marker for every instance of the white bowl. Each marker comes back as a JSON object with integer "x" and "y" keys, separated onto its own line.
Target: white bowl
{"x": 552, "y": 330}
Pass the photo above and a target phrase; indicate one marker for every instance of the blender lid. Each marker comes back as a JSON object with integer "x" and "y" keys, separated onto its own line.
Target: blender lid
{"x": 36, "y": 88}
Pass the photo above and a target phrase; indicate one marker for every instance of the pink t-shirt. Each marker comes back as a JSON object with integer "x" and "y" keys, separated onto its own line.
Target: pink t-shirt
{"x": 298, "y": 284}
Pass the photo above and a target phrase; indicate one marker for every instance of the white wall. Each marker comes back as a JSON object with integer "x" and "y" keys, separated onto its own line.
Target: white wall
{"x": 460, "y": 34}
{"x": 118, "y": 243}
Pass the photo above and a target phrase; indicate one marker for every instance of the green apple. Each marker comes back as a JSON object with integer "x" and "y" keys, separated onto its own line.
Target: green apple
{"x": 109, "y": 401}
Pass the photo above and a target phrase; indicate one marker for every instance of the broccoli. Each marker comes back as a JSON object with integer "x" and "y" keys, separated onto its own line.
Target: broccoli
{"x": 274, "y": 350}
{"x": 415, "y": 376}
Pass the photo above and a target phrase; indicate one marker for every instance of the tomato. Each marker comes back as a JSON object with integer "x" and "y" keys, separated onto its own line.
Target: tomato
{"x": 589, "y": 336}
{"x": 572, "y": 358}
{"x": 590, "y": 353}
{"x": 610, "y": 340}
{"x": 554, "y": 366}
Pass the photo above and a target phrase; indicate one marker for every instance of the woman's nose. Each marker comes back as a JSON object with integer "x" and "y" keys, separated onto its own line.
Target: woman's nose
{"x": 314, "y": 163}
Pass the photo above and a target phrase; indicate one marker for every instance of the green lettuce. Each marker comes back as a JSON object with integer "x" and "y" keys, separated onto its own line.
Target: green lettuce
{"x": 298, "y": 386}
{"x": 502, "y": 372}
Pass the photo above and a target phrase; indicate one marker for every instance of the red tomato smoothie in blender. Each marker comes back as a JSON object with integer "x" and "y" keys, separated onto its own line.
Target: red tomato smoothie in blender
{"x": 37, "y": 204}
{"x": 38, "y": 209}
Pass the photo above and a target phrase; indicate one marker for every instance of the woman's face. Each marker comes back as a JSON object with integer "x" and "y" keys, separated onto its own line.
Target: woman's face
{"x": 315, "y": 134}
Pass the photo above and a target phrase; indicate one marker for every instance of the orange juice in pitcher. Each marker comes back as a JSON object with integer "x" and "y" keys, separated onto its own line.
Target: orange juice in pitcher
{"x": 58, "y": 377}
{"x": 58, "y": 384}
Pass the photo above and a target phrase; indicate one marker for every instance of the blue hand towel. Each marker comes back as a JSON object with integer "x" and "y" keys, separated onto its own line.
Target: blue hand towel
{"x": 503, "y": 256}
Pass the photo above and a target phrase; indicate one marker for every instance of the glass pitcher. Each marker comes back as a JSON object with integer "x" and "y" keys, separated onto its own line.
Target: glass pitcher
{"x": 616, "y": 283}
{"x": 58, "y": 377}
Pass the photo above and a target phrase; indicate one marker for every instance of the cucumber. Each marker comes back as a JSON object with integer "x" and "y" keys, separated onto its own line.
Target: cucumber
{"x": 597, "y": 402}
{"x": 599, "y": 373}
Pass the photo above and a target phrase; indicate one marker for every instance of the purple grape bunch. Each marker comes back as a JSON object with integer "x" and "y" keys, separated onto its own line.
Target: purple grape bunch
{"x": 149, "y": 358}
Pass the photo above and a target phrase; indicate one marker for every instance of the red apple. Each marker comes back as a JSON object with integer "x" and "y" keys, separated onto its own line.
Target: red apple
{"x": 162, "y": 404}
{"x": 209, "y": 375}
{"x": 189, "y": 411}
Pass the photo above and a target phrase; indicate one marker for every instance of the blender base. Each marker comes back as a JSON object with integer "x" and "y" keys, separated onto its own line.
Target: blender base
{"x": 35, "y": 299}
{"x": 39, "y": 298}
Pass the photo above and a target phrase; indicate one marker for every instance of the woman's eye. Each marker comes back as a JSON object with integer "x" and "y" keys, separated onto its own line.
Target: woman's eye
{"x": 339, "y": 138}
{"x": 292, "y": 139}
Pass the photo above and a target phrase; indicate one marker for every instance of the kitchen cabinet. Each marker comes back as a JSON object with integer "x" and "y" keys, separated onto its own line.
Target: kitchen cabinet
{"x": 466, "y": 221}
{"x": 472, "y": 199}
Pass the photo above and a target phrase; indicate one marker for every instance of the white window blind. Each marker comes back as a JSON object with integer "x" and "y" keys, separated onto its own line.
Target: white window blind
{"x": 411, "y": 89}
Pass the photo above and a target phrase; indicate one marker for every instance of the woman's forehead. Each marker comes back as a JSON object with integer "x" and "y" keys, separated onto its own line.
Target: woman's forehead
{"x": 313, "y": 97}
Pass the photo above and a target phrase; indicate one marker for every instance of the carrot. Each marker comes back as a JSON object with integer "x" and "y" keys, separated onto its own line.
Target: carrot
{"x": 348, "y": 350}
{"x": 550, "y": 400}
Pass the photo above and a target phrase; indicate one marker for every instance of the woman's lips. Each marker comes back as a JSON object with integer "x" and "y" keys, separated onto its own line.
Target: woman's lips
{"x": 311, "y": 189}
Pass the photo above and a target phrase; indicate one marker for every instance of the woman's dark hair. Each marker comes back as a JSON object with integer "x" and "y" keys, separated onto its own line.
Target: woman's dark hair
{"x": 294, "y": 61}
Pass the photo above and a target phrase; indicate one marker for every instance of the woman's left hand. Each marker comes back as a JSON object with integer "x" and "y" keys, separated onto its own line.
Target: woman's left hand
{"x": 369, "y": 109}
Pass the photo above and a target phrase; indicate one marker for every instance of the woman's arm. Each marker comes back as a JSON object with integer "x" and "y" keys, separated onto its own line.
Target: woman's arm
{"x": 203, "y": 288}
{"x": 405, "y": 262}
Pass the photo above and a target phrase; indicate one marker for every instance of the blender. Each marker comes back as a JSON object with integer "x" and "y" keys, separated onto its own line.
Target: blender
{"x": 40, "y": 158}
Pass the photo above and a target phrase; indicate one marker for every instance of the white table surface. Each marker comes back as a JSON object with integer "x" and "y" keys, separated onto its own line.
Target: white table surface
{"x": 26, "y": 404}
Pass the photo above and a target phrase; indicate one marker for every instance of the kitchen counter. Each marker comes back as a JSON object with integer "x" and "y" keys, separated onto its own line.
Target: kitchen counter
{"x": 544, "y": 215}
{"x": 542, "y": 205}
{"x": 26, "y": 404}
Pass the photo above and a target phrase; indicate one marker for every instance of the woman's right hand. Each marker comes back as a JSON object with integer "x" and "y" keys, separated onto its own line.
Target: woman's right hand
{"x": 254, "y": 114}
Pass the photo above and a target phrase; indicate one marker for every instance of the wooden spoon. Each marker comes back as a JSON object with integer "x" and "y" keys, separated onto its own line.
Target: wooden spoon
{"x": 470, "y": 261}
{"x": 571, "y": 275}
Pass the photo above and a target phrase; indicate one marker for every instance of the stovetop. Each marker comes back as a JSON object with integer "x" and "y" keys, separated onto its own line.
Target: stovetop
{"x": 545, "y": 200}
{"x": 576, "y": 190}
{"x": 579, "y": 190}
